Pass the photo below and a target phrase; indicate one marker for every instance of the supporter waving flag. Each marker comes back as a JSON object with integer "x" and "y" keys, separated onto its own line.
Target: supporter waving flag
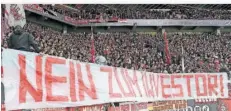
{"x": 168, "y": 58}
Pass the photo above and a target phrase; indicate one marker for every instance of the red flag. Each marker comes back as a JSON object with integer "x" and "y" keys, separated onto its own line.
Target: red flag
{"x": 92, "y": 49}
{"x": 167, "y": 53}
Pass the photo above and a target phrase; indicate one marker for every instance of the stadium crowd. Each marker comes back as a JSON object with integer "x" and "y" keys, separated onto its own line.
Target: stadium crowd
{"x": 100, "y": 13}
{"x": 202, "y": 52}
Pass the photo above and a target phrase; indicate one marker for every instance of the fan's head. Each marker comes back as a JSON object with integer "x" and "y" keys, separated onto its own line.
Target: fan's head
{"x": 101, "y": 60}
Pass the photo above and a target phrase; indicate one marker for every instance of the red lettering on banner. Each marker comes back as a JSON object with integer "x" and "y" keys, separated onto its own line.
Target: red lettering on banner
{"x": 144, "y": 82}
{"x": 188, "y": 77}
{"x": 32, "y": 85}
{"x": 14, "y": 10}
{"x": 118, "y": 81}
{"x": 72, "y": 83}
{"x": 221, "y": 85}
{"x": 49, "y": 79}
{"x": 133, "y": 81}
{"x": 33, "y": 7}
{"x": 176, "y": 86}
{"x": 131, "y": 93}
{"x": 150, "y": 89}
{"x": 199, "y": 93}
{"x": 156, "y": 85}
{"x": 109, "y": 70}
{"x": 212, "y": 87}
{"x": 82, "y": 87}
{"x": 25, "y": 85}
{"x": 162, "y": 77}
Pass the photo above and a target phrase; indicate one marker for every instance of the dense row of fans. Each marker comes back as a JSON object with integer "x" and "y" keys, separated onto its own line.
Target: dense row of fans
{"x": 99, "y": 13}
{"x": 202, "y": 52}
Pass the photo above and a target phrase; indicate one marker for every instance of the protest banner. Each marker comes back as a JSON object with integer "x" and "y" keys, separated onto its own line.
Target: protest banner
{"x": 132, "y": 106}
{"x": 169, "y": 105}
{"x": 34, "y": 81}
{"x": 51, "y": 109}
{"x": 74, "y": 21}
{"x": 101, "y": 107}
{"x": 15, "y": 15}
{"x": 34, "y": 7}
{"x": 202, "y": 101}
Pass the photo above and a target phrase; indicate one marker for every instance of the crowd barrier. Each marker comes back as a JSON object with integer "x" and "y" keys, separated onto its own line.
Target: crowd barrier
{"x": 33, "y": 81}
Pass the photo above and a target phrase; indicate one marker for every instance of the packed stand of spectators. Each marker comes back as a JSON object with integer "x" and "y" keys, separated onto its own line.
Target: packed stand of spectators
{"x": 203, "y": 52}
{"x": 98, "y": 13}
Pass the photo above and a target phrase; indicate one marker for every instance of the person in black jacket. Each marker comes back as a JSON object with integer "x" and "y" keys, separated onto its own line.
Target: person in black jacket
{"x": 21, "y": 40}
